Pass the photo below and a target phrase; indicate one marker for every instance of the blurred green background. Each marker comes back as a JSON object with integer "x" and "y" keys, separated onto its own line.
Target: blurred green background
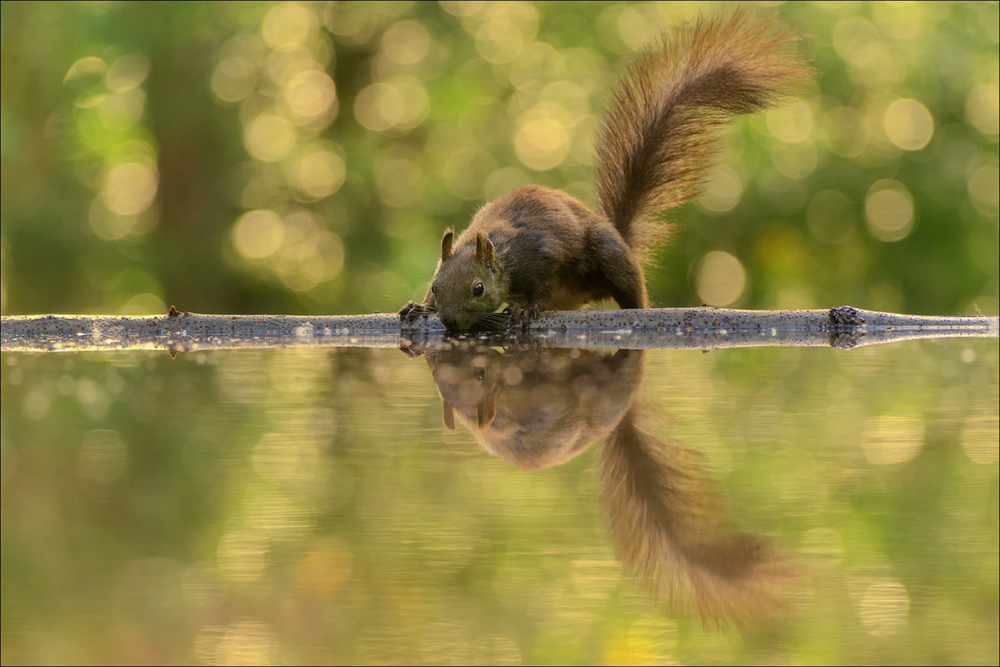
{"x": 304, "y": 158}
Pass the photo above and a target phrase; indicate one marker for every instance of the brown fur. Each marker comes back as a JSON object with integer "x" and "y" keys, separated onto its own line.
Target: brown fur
{"x": 539, "y": 248}
{"x": 669, "y": 527}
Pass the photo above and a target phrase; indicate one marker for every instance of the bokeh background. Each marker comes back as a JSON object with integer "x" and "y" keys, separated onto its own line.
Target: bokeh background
{"x": 305, "y": 506}
{"x": 305, "y": 157}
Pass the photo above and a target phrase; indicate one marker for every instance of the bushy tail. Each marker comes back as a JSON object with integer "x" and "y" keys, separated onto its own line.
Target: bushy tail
{"x": 658, "y": 134}
{"x": 670, "y": 530}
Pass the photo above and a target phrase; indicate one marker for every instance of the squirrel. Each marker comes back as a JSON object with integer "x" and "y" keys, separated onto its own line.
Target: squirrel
{"x": 536, "y": 248}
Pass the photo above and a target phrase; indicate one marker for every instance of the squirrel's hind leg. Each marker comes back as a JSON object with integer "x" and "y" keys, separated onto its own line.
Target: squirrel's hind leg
{"x": 617, "y": 272}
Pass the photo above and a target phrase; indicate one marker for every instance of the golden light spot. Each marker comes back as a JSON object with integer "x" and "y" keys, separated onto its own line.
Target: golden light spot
{"x": 416, "y": 102}
{"x": 795, "y": 161}
{"x": 569, "y": 101}
{"x": 831, "y": 216}
{"x": 325, "y": 568}
{"x": 352, "y": 22}
{"x": 93, "y": 399}
{"x": 845, "y": 131}
{"x": 234, "y": 79}
{"x": 86, "y": 77}
{"x": 120, "y": 111}
{"x": 127, "y": 72}
{"x": 822, "y": 544}
{"x": 982, "y": 109}
{"x": 310, "y": 94}
{"x": 721, "y": 279}
{"x": 307, "y": 254}
{"x": 258, "y": 234}
{"x": 241, "y": 643}
{"x": 510, "y": 26}
{"x": 534, "y": 59}
{"x": 899, "y": 20}
{"x": 275, "y": 457}
{"x": 281, "y": 66}
{"x": 984, "y": 188}
{"x": 504, "y": 180}
{"x": 981, "y": 440}
{"x": 401, "y": 104}
{"x": 103, "y": 456}
{"x": 36, "y": 404}
{"x": 269, "y": 137}
{"x": 542, "y": 140}
{"x": 279, "y": 517}
{"x": 884, "y": 608}
{"x": 129, "y": 188}
{"x": 908, "y": 124}
{"x": 857, "y": 42}
{"x": 111, "y": 226}
{"x": 287, "y": 26}
{"x": 4, "y": 264}
{"x": 406, "y": 43}
{"x": 723, "y": 190}
{"x": 791, "y": 122}
{"x": 499, "y": 41}
{"x": 650, "y": 641}
{"x": 318, "y": 174}
{"x": 377, "y": 106}
{"x": 145, "y": 303}
{"x": 639, "y": 25}
{"x": 466, "y": 169}
{"x": 84, "y": 66}
{"x": 398, "y": 180}
{"x": 893, "y": 438}
{"x": 889, "y": 211}
{"x": 240, "y": 555}
{"x": 264, "y": 191}
{"x": 311, "y": 260}
{"x": 463, "y": 7}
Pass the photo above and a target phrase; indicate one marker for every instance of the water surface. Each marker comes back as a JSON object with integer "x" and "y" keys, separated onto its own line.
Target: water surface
{"x": 753, "y": 505}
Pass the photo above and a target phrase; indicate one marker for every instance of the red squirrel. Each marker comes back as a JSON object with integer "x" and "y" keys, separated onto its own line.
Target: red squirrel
{"x": 537, "y": 249}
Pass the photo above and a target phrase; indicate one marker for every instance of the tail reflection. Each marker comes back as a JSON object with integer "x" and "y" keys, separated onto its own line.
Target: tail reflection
{"x": 541, "y": 408}
{"x": 669, "y": 529}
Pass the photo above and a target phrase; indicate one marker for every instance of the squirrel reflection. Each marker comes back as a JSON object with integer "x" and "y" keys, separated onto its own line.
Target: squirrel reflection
{"x": 541, "y": 408}
{"x": 535, "y": 409}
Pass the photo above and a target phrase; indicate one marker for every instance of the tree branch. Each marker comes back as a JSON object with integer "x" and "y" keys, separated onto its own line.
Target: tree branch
{"x": 698, "y": 328}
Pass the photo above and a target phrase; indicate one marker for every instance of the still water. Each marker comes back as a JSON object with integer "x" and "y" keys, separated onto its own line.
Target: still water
{"x": 460, "y": 506}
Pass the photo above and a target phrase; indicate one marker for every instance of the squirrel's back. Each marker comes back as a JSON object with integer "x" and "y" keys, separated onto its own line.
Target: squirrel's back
{"x": 658, "y": 133}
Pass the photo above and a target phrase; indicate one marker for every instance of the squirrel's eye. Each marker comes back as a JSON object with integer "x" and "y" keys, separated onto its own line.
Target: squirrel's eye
{"x": 434, "y": 290}
{"x": 478, "y": 290}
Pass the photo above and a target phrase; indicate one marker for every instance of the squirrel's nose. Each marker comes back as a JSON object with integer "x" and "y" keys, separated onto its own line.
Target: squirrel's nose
{"x": 449, "y": 323}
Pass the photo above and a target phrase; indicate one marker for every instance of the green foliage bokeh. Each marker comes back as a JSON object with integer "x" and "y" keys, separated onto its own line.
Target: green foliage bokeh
{"x": 430, "y": 110}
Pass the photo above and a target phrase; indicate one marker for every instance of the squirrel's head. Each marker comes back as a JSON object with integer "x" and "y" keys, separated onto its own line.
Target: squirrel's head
{"x": 469, "y": 282}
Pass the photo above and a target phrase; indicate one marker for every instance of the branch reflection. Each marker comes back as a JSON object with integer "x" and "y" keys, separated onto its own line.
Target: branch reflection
{"x": 539, "y": 408}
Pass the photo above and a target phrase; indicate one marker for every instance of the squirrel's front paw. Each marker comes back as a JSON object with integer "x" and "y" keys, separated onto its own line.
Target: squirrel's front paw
{"x": 413, "y": 310}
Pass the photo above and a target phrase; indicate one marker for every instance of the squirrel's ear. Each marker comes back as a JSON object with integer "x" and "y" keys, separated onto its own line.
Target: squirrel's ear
{"x": 486, "y": 410}
{"x": 448, "y": 415}
{"x": 484, "y": 248}
{"x": 446, "y": 244}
